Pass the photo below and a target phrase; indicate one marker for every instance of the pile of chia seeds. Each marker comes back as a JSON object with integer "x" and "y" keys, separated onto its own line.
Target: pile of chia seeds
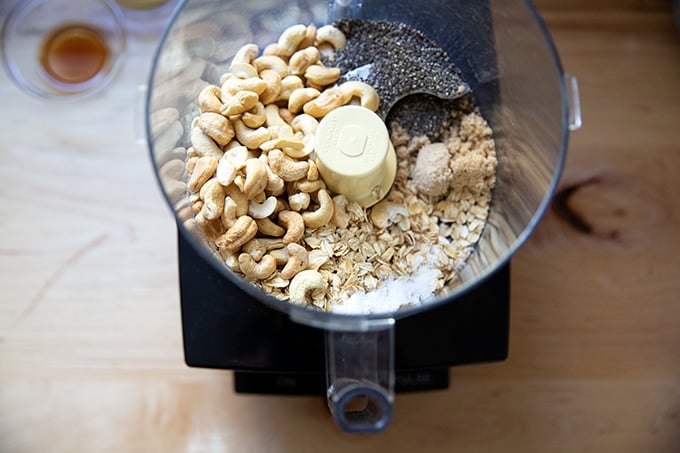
{"x": 407, "y": 69}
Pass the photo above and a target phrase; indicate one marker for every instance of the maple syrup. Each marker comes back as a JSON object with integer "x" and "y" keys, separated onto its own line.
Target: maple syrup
{"x": 74, "y": 53}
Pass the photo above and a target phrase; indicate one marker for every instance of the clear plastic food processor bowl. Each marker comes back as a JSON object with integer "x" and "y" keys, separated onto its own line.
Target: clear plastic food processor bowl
{"x": 507, "y": 57}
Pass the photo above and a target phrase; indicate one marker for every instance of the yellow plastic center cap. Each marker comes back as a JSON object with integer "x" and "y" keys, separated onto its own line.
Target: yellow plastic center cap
{"x": 354, "y": 154}
{"x": 353, "y": 140}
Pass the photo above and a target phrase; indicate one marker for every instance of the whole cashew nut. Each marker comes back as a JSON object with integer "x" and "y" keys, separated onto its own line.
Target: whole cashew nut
{"x": 239, "y": 103}
{"x": 240, "y": 182}
{"x": 275, "y": 185}
{"x": 303, "y": 284}
{"x": 273, "y": 82}
{"x": 367, "y": 95}
{"x": 322, "y": 75}
{"x": 323, "y": 214}
{"x": 209, "y": 99}
{"x": 216, "y": 126}
{"x": 310, "y": 37}
{"x": 385, "y": 213}
{"x": 340, "y": 216}
{"x": 297, "y": 261}
{"x": 288, "y": 169}
{"x": 241, "y": 232}
{"x": 258, "y": 247}
{"x": 246, "y": 54}
{"x": 243, "y": 70}
{"x": 197, "y": 206}
{"x": 285, "y": 131}
{"x": 256, "y": 179}
{"x": 272, "y": 49}
{"x": 328, "y": 100}
{"x": 272, "y": 62}
{"x": 232, "y": 145}
{"x": 299, "y": 201}
{"x": 290, "y": 146}
{"x": 332, "y": 35}
{"x": 302, "y": 59}
{"x": 300, "y": 96}
{"x": 190, "y": 164}
{"x": 295, "y": 226}
{"x": 233, "y": 85}
{"x": 282, "y": 142}
{"x": 231, "y": 260}
{"x": 203, "y": 145}
{"x": 309, "y": 142}
{"x": 309, "y": 186}
{"x": 203, "y": 170}
{"x": 269, "y": 228}
{"x": 291, "y": 38}
{"x": 281, "y": 205}
{"x": 273, "y": 117}
{"x": 287, "y": 115}
{"x": 254, "y": 270}
{"x": 305, "y": 123}
{"x": 239, "y": 198}
{"x": 288, "y": 85}
{"x": 260, "y": 198}
{"x": 254, "y": 117}
{"x": 262, "y": 210}
{"x": 212, "y": 229}
{"x": 255, "y": 249}
{"x": 212, "y": 195}
{"x": 229, "y": 212}
{"x": 313, "y": 172}
{"x": 252, "y": 138}
{"x": 281, "y": 257}
{"x": 229, "y": 165}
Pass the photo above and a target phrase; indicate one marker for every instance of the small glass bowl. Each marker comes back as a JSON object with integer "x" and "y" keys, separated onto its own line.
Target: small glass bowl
{"x": 30, "y": 23}
{"x": 145, "y": 17}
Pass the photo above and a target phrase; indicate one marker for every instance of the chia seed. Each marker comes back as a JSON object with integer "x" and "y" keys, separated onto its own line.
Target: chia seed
{"x": 409, "y": 71}
{"x": 423, "y": 114}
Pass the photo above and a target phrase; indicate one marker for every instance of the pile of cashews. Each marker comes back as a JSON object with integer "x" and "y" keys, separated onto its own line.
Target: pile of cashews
{"x": 255, "y": 187}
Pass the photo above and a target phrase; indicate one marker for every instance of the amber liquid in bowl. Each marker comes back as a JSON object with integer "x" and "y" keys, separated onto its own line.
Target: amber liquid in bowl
{"x": 74, "y": 53}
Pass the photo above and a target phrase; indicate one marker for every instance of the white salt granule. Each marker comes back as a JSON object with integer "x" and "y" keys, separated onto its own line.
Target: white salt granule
{"x": 361, "y": 73}
{"x": 393, "y": 294}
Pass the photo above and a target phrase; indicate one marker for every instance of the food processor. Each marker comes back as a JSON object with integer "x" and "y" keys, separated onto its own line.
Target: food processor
{"x": 358, "y": 361}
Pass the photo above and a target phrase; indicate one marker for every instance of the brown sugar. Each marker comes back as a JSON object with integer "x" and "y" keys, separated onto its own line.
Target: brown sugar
{"x": 431, "y": 173}
{"x": 473, "y": 155}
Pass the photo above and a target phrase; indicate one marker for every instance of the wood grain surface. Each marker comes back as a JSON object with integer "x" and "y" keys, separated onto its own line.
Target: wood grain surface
{"x": 90, "y": 341}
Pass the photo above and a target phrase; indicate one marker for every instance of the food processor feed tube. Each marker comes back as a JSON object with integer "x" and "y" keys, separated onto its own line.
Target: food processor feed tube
{"x": 360, "y": 370}
{"x": 506, "y": 57}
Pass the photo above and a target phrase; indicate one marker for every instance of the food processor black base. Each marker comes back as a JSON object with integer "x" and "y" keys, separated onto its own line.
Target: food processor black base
{"x": 225, "y": 328}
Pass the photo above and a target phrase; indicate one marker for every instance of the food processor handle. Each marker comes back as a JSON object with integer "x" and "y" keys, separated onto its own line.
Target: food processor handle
{"x": 360, "y": 375}
{"x": 573, "y": 102}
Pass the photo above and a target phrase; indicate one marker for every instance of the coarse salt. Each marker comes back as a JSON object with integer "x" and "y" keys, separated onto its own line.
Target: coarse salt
{"x": 361, "y": 73}
{"x": 393, "y": 294}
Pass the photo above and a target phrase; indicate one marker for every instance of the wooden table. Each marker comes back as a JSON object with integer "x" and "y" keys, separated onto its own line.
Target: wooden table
{"x": 90, "y": 343}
